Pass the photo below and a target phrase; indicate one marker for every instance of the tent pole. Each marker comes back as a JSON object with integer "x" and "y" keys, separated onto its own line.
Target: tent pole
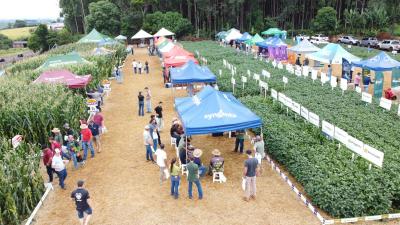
{"x": 186, "y": 148}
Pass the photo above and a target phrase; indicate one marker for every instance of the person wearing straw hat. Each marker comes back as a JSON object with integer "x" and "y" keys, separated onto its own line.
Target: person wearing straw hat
{"x": 57, "y": 135}
{"x": 197, "y": 154}
{"x": 216, "y": 162}
{"x": 86, "y": 141}
{"x": 148, "y": 142}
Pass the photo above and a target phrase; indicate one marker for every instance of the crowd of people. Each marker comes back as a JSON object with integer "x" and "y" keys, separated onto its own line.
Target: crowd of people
{"x": 138, "y": 66}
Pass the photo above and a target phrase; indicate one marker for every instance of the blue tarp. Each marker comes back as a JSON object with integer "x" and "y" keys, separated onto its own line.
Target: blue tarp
{"x": 380, "y": 62}
{"x": 192, "y": 73}
{"x": 246, "y": 36}
{"x": 267, "y": 42}
{"x": 212, "y": 111}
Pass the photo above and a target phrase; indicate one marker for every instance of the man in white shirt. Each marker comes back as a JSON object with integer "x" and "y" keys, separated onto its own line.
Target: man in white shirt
{"x": 139, "y": 66}
{"x": 161, "y": 158}
{"x": 58, "y": 164}
{"x": 148, "y": 141}
{"x": 134, "y": 64}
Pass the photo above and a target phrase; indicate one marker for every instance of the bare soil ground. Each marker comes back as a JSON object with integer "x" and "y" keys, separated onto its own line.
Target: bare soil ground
{"x": 125, "y": 189}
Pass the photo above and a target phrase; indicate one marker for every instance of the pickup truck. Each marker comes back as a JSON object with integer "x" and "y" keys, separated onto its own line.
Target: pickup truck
{"x": 320, "y": 37}
{"x": 350, "y": 40}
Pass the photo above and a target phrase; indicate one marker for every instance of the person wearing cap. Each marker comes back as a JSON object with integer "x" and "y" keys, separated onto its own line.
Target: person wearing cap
{"x": 47, "y": 159}
{"x": 148, "y": 142}
{"x": 251, "y": 170}
{"x": 197, "y": 154}
{"x": 216, "y": 162}
{"x": 193, "y": 177}
{"x": 81, "y": 197}
{"x": 58, "y": 164}
{"x": 259, "y": 146}
{"x": 159, "y": 116}
{"x": 57, "y": 135}
{"x": 161, "y": 158}
{"x": 86, "y": 141}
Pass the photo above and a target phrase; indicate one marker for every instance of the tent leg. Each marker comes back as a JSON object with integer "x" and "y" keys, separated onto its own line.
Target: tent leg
{"x": 186, "y": 143}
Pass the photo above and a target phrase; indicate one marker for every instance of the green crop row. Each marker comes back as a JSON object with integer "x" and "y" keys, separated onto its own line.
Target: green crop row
{"x": 370, "y": 124}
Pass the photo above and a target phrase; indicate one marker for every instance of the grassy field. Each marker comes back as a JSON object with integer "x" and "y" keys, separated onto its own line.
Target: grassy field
{"x": 17, "y": 33}
{"x": 12, "y": 51}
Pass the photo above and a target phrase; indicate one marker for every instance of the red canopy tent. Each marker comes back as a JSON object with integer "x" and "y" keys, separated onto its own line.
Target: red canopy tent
{"x": 177, "y": 51}
{"x": 63, "y": 77}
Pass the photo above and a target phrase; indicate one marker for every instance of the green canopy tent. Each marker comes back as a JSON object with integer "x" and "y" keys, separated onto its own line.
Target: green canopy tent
{"x": 273, "y": 31}
{"x": 95, "y": 37}
{"x": 62, "y": 60}
{"x": 256, "y": 38}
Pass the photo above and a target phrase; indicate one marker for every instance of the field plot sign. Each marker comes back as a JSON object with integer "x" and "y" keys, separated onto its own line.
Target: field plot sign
{"x": 274, "y": 94}
{"x": 328, "y": 129}
{"x": 324, "y": 78}
{"x": 285, "y": 81}
{"x": 373, "y": 155}
{"x": 244, "y": 80}
{"x": 398, "y": 111}
{"x": 233, "y": 81}
{"x": 263, "y": 85}
{"x": 313, "y": 118}
{"x": 256, "y": 77}
{"x": 333, "y": 82}
{"x": 341, "y": 136}
{"x": 298, "y": 72}
{"x": 220, "y": 72}
{"x": 365, "y": 97}
{"x": 343, "y": 84}
{"x": 304, "y": 113}
{"x": 314, "y": 75}
{"x": 274, "y": 63}
{"x": 280, "y": 65}
{"x": 355, "y": 145}
{"x": 248, "y": 73}
{"x": 358, "y": 89}
{"x": 385, "y": 103}
{"x": 266, "y": 73}
{"x": 296, "y": 107}
{"x": 305, "y": 71}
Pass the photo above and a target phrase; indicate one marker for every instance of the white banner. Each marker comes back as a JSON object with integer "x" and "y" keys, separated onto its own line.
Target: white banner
{"x": 373, "y": 155}
{"x": 385, "y": 103}
{"x": 343, "y": 84}
{"x": 341, "y": 136}
{"x": 274, "y": 94}
{"x": 365, "y": 97}
{"x": 304, "y": 112}
{"x": 314, "y": 74}
{"x": 328, "y": 128}
{"x": 313, "y": 118}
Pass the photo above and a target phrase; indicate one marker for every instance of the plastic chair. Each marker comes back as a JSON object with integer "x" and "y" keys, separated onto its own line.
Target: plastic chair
{"x": 184, "y": 169}
{"x": 218, "y": 177}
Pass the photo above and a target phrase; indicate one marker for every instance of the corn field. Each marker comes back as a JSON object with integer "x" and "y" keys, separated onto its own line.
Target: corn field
{"x": 32, "y": 110}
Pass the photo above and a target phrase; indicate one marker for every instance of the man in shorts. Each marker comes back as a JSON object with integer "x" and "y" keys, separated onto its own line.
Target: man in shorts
{"x": 81, "y": 198}
{"x": 95, "y": 129}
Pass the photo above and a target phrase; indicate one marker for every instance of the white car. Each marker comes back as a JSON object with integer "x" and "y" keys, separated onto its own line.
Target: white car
{"x": 391, "y": 45}
{"x": 350, "y": 40}
{"x": 318, "y": 42}
{"x": 302, "y": 37}
{"x": 320, "y": 37}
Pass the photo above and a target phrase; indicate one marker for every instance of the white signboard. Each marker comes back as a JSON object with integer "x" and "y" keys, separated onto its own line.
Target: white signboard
{"x": 266, "y": 73}
{"x": 341, "y": 136}
{"x": 324, "y": 78}
{"x": 328, "y": 128}
{"x": 224, "y": 62}
{"x": 343, "y": 84}
{"x": 304, "y": 112}
{"x": 333, "y": 81}
{"x": 274, "y": 63}
{"x": 385, "y": 103}
{"x": 291, "y": 70}
{"x": 233, "y": 72}
{"x": 297, "y": 73}
{"x": 398, "y": 111}
{"x": 289, "y": 102}
{"x": 305, "y": 71}
{"x": 314, "y": 74}
{"x": 256, "y": 76}
{"x": 355, "y": 145}
{"x": 263, "y": 85}
{"x": 313, "y": 118}
{"x": 285, "y": 80}
{"x": 244, "y": 79}
{"x": 220, "y": 72}
{"x": 282, "y": 98}
{"x": 248, "y": 73}
{"x": 274, "y": 94}
{"x": 358, "y": 89}
{"x": 233, "y": 80}
{"x": 373, "y": 155}
{"x": 280, "y": 65}
{"x": 365, "y": 97}
{"x": 289, "y": 67}
{"x": 296, "y": 107}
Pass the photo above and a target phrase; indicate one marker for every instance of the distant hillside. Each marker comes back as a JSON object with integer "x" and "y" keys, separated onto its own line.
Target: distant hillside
{"x": 18, "y": 33}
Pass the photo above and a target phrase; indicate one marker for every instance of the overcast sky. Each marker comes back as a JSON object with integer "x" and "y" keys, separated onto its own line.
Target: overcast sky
{"x": 29, "y": 9}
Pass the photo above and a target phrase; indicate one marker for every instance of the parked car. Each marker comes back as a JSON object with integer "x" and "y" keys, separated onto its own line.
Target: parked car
{"x": 369, "y": 42}
{"x": 302, "y": 37}
{"x": 320, "y": 37}
{"x": 391, "y": 45}
{"x": 318, "y": 42}
{"x": 349, "y": 40}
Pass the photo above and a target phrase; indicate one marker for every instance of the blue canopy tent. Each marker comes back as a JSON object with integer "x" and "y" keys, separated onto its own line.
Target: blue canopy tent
{"x": 380, "y": 62}
{"x": 212, "y": 111}
{"x": 192, "y": 73}
{"x": 246, "y": 36}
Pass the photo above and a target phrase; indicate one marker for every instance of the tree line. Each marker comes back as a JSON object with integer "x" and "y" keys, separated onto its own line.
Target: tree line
{"x": 208, "y": 17}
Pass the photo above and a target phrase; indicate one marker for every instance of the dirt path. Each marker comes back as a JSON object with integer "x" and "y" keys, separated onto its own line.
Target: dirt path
{"x": 125, "y": 188}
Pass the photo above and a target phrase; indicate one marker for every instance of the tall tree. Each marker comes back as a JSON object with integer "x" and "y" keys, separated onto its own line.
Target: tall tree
{"x": 105, "y": 17}
{"x": 38, "y": 41}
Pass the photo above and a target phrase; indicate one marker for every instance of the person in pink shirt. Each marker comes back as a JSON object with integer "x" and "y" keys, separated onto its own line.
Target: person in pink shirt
{"x": 357, "y": 80}
{"x": 99, "y": 120}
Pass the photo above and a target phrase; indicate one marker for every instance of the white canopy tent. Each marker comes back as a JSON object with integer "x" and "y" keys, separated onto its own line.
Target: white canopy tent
{"x": 233, "y": 34}
{"x": 120, "y": 37}
{"x": 304, "y": 47}
{"x": 333, "y": 54}
{"x": 163, "y": 33}
{"x": 141, "y": 34}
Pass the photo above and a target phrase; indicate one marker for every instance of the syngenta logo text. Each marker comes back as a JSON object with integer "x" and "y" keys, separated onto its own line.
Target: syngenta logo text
{"x": 219, "y": 115}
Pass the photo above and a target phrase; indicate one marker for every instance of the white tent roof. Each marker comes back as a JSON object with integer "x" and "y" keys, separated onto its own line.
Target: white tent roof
{"x": 233, "y": 34}
{"x": 332, "y": 53}
{"x": 304, "y": 47}
{"x": 141, "y": 34}
{"x": 163, "y": 32}
{"x": 120, "y": 37}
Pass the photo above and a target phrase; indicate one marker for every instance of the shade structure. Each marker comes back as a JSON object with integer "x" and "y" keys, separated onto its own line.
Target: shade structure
{"x": 332, "y": 53}
{"x": 273, "y": 31}
{"x": 166, "y": 48}
{"x": 141, "y": 34}
{"x": 304, "y": 47}
{"x": 265, "y": 43}
{"x": 163, "y": 33}
{"x": 101, "y": 51}
{"x": 180, "y": 60}
{"x": 212, "y": 111}
{"x": 95, "y": 37}
{"x": 255, "y": 39}
{"x": 120, "y": 37}
{"x": 192, "y": 73}
{"x": 177, "y": 50}
{"x": 274, "y": 47}
{"x": 380, "y": 62}
{"x": 63, "y": 77}
{"x": 246, "y": 36}
{"x": 63, "y": 60}
{"x": 233, "y": 34}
